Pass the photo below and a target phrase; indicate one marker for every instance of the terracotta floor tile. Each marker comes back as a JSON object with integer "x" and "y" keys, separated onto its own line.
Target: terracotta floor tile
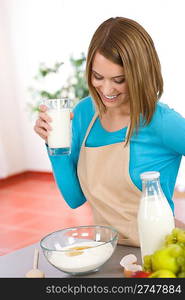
{"x": 31, "y": 206}
{"x": 19, "y": 217}
{"x": 32, "y": 185}
{"x": 7, "y": 209}
{"x": 24, "y": 201}
{"x": 14, "y": 239}
{"x": 50, "y": 223}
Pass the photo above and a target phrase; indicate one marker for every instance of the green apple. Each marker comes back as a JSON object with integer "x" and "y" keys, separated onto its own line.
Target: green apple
{"x": 165, "y": 258}
{"x": 162, "y": 274}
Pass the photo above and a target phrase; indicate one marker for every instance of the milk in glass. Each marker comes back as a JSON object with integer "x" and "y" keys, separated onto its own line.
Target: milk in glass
{"x": 59, "y": 139}
{"x": 155, "y": 216}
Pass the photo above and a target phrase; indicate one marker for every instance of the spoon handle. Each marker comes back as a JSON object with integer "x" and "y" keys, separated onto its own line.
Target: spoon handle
{"x": 36, "y": 258}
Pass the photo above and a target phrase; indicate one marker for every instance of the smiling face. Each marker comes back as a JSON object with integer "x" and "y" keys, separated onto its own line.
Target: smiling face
{"x": 108, "y": 79}
{"x": 126, "y": 49}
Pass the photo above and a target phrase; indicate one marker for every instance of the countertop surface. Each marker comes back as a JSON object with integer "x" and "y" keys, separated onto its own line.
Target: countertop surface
{"x": 18, "y": 263}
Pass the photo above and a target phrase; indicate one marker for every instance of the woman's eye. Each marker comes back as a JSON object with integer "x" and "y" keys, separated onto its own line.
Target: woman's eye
{"x": 97, "y": 77}
{"x": 119, "y": 81}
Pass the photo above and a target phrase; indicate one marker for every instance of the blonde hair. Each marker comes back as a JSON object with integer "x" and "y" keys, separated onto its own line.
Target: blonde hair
{"x": 126, "y": 43}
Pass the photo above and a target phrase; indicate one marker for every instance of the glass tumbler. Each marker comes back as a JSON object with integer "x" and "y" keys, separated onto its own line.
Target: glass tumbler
{"x": 59, "y": 139}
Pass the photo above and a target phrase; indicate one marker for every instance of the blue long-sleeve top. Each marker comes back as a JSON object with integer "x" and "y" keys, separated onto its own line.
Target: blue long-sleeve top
{"x": 158, "y": 146}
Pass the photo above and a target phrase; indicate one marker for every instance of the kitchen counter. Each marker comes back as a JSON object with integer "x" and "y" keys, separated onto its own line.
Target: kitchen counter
{"x": 18, "y": 263}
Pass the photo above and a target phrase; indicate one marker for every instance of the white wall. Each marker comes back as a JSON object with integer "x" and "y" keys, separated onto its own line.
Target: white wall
{"x": 12, "y": 151}
{"x": 50, "y": 30}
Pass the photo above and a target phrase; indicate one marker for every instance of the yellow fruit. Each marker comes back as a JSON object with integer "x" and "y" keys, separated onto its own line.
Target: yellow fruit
{"x": 166, "y": 258}
{"x": 162, "y": 274}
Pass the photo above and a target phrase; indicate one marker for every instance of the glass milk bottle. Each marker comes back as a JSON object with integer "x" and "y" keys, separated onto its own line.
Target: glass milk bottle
{"x": 155, "y": 216}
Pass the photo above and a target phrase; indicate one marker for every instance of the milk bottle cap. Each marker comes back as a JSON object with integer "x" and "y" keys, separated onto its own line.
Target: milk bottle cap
{"x": 149, "y": 175}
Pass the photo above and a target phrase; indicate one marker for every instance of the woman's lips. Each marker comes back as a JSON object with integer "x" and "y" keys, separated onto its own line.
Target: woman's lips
{"x": 104, "y": 98}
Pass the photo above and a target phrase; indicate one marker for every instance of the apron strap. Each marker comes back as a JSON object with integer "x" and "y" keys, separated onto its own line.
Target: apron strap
{"x": 89, "y": 128}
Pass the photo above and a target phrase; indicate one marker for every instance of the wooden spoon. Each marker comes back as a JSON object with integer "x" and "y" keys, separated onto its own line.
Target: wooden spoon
{"x": 35, "y": 272}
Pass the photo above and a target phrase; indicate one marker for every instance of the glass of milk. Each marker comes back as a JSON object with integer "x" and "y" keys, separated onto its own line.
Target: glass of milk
{"x": 59, "y": 139}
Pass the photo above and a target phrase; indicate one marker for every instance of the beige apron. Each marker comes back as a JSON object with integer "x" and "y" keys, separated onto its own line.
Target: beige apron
{"x": 105, "y": 181}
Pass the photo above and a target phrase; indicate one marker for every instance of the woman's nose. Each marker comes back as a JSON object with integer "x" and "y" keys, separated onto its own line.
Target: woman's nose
{"x": 107, "y": 89}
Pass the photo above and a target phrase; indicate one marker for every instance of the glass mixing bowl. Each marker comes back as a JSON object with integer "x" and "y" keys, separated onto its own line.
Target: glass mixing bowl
{"x": 80, "y": 250}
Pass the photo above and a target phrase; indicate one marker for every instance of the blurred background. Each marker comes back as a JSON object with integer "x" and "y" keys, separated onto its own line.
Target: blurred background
{"x": 43, "y": 48}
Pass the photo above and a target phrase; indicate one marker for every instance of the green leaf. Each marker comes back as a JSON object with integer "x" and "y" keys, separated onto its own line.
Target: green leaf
{"x": 76, "y": 91}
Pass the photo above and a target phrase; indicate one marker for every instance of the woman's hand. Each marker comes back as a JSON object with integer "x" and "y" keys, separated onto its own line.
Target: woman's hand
{"x": 42, "y": 126}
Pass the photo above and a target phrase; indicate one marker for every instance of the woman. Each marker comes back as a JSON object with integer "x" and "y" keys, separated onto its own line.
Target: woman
{"x": 120, "y": 131}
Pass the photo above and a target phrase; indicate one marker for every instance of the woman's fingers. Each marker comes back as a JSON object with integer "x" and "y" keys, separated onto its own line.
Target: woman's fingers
{"x": 43, "y": 108}
{"x": 41, "y": 132}
{"x": 42, "y": 124}
{"x": 43, "y": 113}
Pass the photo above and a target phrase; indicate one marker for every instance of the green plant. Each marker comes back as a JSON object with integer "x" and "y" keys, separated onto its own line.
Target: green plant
{"x": 75, "y": 87}
{"x": 79, "y": 88}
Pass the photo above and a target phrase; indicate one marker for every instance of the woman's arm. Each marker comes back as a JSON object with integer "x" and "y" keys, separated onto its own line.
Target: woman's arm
{"x": 173, "y": 128}
{"x": 65, "y": 166}
{"x": 64, "y": 169}
{"x": 65, "y": 174}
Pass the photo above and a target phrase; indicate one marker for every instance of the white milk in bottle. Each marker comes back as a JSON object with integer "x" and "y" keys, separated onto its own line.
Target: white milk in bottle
{"x": 155, "y": 216}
